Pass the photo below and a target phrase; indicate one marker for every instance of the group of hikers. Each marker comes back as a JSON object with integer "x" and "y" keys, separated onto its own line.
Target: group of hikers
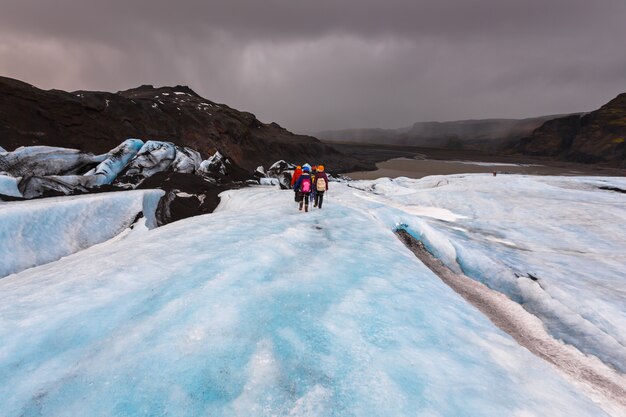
{"x": 309, "y": 183}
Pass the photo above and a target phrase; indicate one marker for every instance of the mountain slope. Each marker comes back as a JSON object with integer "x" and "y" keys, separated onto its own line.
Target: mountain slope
{"x": 598, "y": 136}
{"x": 99, "y": 121}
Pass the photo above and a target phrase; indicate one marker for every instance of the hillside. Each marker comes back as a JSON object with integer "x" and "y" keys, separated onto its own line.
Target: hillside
{"x": 598, "y": 136}
{"x": 98, "y": 121}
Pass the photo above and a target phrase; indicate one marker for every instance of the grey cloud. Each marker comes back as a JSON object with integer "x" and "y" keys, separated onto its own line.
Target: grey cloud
{"x": 331, "y": 64}
{"x": 276, "y": 18}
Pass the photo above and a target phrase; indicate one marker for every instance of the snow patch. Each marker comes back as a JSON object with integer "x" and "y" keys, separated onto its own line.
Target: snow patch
{"x": 269, "y": 181}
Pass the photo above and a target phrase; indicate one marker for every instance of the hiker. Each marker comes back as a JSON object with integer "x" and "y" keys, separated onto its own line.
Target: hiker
{"x": 320, "y": 185}
{"x": 302, "y": 187}
{"x": 313, "y": 172}
{"x": 296, "y": 174}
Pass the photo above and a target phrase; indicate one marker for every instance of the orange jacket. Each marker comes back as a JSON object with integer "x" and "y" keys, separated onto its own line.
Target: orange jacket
{"x": 295, "y": 176}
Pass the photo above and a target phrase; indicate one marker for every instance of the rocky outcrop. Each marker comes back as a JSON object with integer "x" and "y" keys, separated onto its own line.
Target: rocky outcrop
{"x": 95, "y": 122}
{"x": 191, "y": 186}
{"x": 186, "y": 195}
{"x": 42, "y": 171}
{"x": 599, "y": 136}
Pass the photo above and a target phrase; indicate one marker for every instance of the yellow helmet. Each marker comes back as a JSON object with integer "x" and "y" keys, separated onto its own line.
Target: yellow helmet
{"x": 298, "y": 167}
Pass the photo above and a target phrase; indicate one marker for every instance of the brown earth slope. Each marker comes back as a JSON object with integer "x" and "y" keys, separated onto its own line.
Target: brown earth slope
{"x": 599, "y": 136}
{"x": 98, "y": 121}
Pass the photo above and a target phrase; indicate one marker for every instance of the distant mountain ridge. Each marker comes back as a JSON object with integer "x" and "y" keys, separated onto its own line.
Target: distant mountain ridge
{"x": 480, "y": 134}
{"x": 597, "y": 136}
{"x": 96, "y": 122}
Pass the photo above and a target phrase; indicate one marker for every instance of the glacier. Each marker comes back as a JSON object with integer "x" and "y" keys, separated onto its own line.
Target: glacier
{"x": 258, "y": 309}
{"x": 110, "y": 166}
{"x": 41, "y": 170}
{"x": 36, "y": 232}
{"x": 553, "y": 244}
{"x": 46, "y": 160}
{"x": 8, "y": 186}
{"x": 116, "y": 161}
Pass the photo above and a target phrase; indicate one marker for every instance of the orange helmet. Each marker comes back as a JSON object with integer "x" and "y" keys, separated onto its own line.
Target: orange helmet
{"x": 320, "y": 167}
{"x": 298, "y": 167}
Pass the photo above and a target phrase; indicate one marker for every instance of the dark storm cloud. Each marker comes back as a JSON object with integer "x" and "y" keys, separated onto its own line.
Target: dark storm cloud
{"x": 313, "y": 65}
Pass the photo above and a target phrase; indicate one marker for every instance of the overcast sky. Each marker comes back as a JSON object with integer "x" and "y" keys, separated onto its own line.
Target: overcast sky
{"x": 326, "y": 64}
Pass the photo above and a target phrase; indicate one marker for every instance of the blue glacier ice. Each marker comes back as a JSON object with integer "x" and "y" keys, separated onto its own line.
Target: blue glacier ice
{"x": 8, "y": 186}
{"x": 36, "y": 232}
{"x": 261, "y": 310}
{"x": 116, "y": 161}
{"x": 566, "y": 232}
{"x": 46, "y": 160}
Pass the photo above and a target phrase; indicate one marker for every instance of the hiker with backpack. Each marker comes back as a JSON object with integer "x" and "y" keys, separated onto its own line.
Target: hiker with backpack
{"x": 320, "y": 185}
{"x": 303, "y": 187}
{"x": 296, "y": 174}
{"x": 313, "y": 172}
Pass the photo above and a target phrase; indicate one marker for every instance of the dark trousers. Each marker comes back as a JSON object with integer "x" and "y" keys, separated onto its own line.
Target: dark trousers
{"x": 319, "y": 198}
{"x": 303, "y": 198}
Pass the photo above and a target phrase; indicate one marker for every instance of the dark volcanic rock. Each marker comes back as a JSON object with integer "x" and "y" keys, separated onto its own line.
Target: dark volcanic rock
{"x": 98, "y": 121}
{"x": 599, "y": 136}
{"x": 552, "y": 138}
{"x": 186, "y": 195}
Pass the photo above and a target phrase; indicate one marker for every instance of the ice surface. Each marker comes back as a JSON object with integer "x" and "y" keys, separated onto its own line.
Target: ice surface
{"x": 8, "y": 186}
{"x": 154, "y": 156}
{"x": 215, "y": 164}
{"x": 46, "y": 160}
{"x": 39, "y": 231}
{"x": 259, "y": 309}
{"x": 37, "y": 163}
{"x": 269, "y": 181}
{"x": 280, "y": 166}
{"x": 563, "y": 231}
{"x": 116, "y": 161}
{"x": 187, "y": 160}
